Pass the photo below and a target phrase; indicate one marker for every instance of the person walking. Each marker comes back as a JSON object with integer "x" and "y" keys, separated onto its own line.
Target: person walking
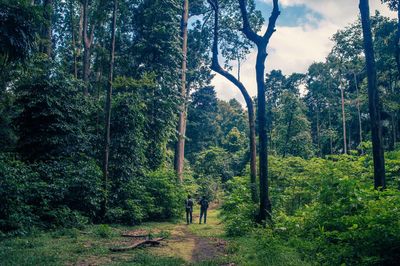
{"x": 189, "y": 209}
{"x": 203, "y": 209}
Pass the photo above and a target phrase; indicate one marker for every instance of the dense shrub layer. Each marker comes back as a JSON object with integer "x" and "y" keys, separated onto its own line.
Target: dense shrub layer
{"x": 326, "y": 209}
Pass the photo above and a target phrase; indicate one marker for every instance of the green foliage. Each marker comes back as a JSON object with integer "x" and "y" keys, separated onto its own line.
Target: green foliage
{"x": 17, "y": 188}
{"x": 202, "y": 127}
{"x": 324, "y": 209}
{"x": 238, "y": 211}
{"x": 52, "y": 121}
{"x": 56, "y": 194}
{"x": 150, "y": 260}
{"x": 103, "y": 231}
{"x": 155, "y": 196}
{"x": 19, "y": 24}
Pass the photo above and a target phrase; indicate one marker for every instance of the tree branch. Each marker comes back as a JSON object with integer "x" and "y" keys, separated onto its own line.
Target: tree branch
{"x": 272, "y": 21}
{"x": 247, "y": 30}
{"x": 215, "y": 65}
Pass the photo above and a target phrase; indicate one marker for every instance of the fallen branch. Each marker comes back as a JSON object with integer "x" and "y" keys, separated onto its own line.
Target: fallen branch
{"x": 152, "y": 242}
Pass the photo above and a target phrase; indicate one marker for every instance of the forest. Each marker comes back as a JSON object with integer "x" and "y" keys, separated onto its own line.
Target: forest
{"x": 111, "y": 116}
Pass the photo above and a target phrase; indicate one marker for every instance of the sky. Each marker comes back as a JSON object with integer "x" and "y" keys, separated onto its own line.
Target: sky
{"x": 302, "y": 37}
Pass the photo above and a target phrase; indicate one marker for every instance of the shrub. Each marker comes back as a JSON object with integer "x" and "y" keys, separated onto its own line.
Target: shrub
{"x": 238, "y": 211}
{"x": 62, "y": 193}
{"x": 18, "y": 183}
{"x": 155, "y": 196}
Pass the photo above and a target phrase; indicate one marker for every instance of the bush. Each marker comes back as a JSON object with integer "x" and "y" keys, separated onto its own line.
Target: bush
{"x": 324, "y": 209}
{"x": 156, "y": 196}
{"x": 238, "y": 211}
{"x": 18, "y": 183}
{"x": 62, "y": 193}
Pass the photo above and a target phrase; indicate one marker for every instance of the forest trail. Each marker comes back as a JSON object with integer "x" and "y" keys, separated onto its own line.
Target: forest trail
{"x": 195, "y": 243}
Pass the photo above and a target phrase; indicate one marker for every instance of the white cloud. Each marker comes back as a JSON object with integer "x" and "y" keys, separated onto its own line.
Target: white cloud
{"x": 293, "y": 49}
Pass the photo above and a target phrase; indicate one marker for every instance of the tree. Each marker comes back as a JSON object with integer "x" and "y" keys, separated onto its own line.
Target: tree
{"x": 19, "y": 24}
{"x": 108, "y": 110}
{"x": 203, "y": 130}
{"x": 262, "y": 43}
{"x": 180, "y": 145}
{"x": 395, "y": 6}
{"x": 373, "y": 98}
{"x": 87, "y": 43}
{"x": 47, "y": 31}
{"x": 249, "y": 102}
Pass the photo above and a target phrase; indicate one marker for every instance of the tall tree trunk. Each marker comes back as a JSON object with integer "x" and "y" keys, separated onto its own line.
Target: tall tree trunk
{"x": 215, "y": 66}
{"x": 262, "y": 44}
{"x": 330, "y": 129}
{"x": 373, "y": 98}
{"x": 180, "y": 145}
{"x": 343, "y": 118}
{"x": 47, "y": 34}
{"x": 108, "y": 112}
{"x": 239, "y": 68}
{"x": 393, "y": 138}
{"x": 360, "y": 138}
{"x": 74, "y": 55}
{"x": 87, "y": 43}
{"x": 398, "y": 39}
{"x": 318, "y": 132}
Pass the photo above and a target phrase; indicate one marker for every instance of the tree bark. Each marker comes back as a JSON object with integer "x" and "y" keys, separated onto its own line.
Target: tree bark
{"x": 71, "y": 7}
{"x": 359, "y": 114}
{"x": 398, "y": 39}
{"x": 215, "y": 66}
{"x": 47, "y": 34}
{"x": 107, "y": 139}
{"x": 343, "y": 117}
{"x": 330, "y": 129}
{"x": 87, "y": 43}
{"x": 318, "y": 132}
{"x": 262, "y": 44}
{"x": 373, "y": 98}
{"x": 180, "y": 145}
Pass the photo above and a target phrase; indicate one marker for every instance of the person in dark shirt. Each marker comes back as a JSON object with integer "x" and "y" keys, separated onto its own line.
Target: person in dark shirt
{"x": 203, "y": 209}
{"x": 189, "y": 209}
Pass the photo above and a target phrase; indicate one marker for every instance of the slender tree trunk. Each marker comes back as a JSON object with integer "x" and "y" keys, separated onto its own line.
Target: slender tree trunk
{"x": 373, "y": 98}
{"x": 330, "y": 129}
{"x": 71, "y": 7}
{"x": 108, "y": 112}
{"x": 359, "y": 114}
{"x": 262, "y": 44}
{"x": 215, "y": 66}
{"x": 47, "y": 48}
{"x": 349, "y": 134}
{"x": 398, "y": 39}
{"x": 343, "y": 118}
{"x": 180, "y": 145}
{"x": 253, "y": 151}
{"x": 239, "y": 69}
{"x": 87, "y": 43}
{"x": 318, "y": 132}
{"x": 393, "y": 138}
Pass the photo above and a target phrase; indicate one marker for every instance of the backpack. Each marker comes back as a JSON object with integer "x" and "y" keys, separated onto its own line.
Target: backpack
{"x": 204, "y": 204}
{"x": 189, "y": 204}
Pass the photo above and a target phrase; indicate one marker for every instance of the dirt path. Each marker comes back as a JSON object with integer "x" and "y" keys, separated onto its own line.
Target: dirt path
{"x": 196, "y": 242}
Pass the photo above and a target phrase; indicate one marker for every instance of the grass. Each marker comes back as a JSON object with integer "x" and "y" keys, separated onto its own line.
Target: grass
{"x": 91, "y": 246}
{"x": 213, "y": 228}
{"x": 71, "y": 246}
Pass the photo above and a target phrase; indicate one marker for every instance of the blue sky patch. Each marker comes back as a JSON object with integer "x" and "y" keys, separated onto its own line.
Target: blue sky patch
{"x": 291, "y": 16}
